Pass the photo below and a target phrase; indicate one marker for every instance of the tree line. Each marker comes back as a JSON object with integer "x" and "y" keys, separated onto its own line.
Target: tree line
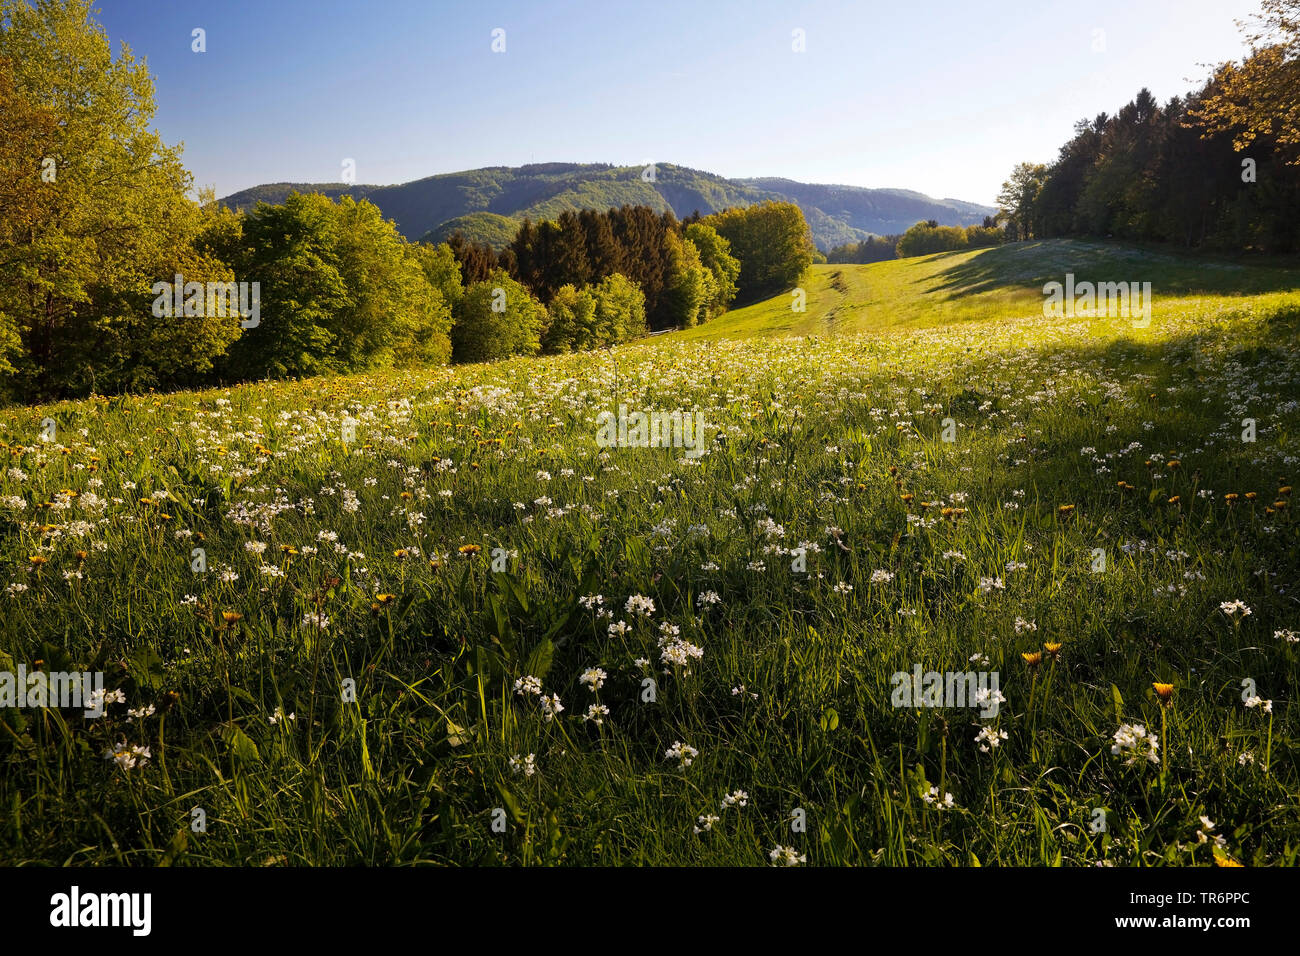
{"x": 920, "y": 240}
{"x": 1218, "y": 168}
{"x": 689, "y": 270}
{"x": 590, "y": 279}
{"x": 96, "y": 216}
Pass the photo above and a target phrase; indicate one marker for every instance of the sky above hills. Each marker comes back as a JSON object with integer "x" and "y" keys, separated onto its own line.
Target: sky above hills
{"x": 943, "y": 97}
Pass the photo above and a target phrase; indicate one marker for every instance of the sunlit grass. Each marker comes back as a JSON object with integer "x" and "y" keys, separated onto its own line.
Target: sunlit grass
{"x": 374, "y": 615}
{"x": 1005, "y": 282}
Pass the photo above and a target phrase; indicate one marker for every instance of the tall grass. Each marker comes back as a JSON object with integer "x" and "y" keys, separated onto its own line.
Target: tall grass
{"x": 397, "y": 647}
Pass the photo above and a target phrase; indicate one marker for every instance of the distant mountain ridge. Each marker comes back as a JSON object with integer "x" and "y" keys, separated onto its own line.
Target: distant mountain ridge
{"x": 487, "y": 204}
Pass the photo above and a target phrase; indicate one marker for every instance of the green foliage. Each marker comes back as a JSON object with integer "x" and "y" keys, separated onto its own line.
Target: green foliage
{"x": 394, "y": 314}
{"x": 340, "y": 291}
{"x": 498, "y": 318}
{"x": 928, "y": 237}
{"x": 689, "y": 286}
{"x": 1017, "y": 201}
{"x": 570, "y": 318}
{"x": 589, "y": 246}
{"x": 489, "y": 228}
{"x": 620, "y": 311}
{"x": 977, "y": 236}
{"x": 1258, "y": 100}
{"x": 871, "y": 249}
{"x": 924, "y": 238}
{"x": 475, "y": 260}
{"x": 607, "y": 313}
{"x": 76, "y": 281}
{"x": 290, "y": 250}
{"x": 441, "y": 270}
{"x": 1179, "y": 173}
{"x": 25, "y": 132}
{"x": 772, "y": 242}
{"x": 715, "y": 254}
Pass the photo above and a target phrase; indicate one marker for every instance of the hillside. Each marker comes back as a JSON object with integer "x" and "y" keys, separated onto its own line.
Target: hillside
{"x": 440, "y": 616}
{"x": 1001, "y": 282}
{"x": 889, "y": 210}
{"x": 484, "y": 203}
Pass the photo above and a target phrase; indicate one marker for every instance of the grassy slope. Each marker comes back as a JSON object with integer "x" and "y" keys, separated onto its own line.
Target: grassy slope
{"x": 952, "y": 287}
{"x": 842, "y": 433}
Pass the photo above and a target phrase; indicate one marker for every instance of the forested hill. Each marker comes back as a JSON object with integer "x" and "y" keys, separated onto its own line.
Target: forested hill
{"x": 487, "y": 204}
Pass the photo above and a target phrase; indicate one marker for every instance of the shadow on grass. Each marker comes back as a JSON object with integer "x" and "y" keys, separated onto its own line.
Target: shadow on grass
{"x": 1029, "y": 265}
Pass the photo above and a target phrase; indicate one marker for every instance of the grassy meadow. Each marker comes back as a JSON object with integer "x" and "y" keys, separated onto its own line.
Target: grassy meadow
{"x": 437, "y": 623}
{"x": 1007, "y": 281}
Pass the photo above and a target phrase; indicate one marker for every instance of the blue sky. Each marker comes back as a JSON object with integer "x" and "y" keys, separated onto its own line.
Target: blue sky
{"x": 943, "y": 97}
